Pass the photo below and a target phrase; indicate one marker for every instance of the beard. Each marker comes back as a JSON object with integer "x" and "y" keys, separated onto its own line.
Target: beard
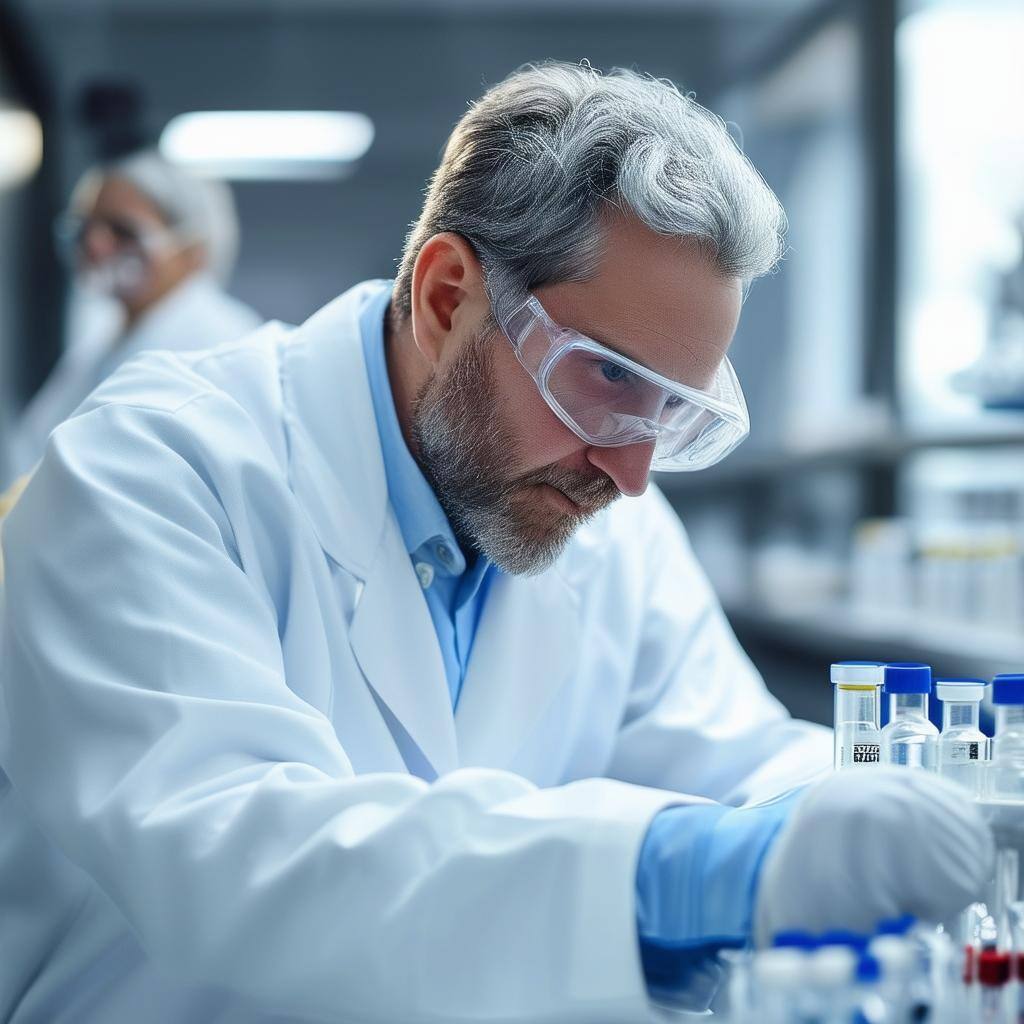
{"x": 465, "y": 451}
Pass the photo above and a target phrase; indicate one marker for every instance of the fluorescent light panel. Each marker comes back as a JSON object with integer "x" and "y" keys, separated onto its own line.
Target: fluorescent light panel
{"x": 268, "y": 144}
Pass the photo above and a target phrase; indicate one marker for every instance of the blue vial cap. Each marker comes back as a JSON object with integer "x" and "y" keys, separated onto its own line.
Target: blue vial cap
{"x": 794, "y": 939}
{"x": 842, "y": 937}
{"x": 908, "y": 677}
{"x": 896, "y": 925}
{"x": 869, "y": 970}
{"x": 1008, "y": 689}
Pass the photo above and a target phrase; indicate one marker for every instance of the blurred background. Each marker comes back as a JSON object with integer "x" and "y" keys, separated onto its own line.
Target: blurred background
{"x": 877, "y": 510}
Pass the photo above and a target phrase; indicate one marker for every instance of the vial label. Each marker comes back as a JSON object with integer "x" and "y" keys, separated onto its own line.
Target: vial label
{"x": 962, "y": 753}
{"x": 865, "y": 753}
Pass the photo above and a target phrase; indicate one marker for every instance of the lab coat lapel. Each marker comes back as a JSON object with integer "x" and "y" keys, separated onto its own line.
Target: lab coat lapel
{"x": 336, "y": 465}
{"x": 394, "y": 641}
{"x": 525, "y": 650}
{"x": 337, "y": 472}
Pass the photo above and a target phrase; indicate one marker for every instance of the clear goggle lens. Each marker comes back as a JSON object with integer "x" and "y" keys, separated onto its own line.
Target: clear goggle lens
{"x": 611, "y": 401}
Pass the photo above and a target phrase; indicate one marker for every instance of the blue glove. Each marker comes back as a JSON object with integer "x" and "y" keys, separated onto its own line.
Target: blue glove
{"x": 833, "y": 855}
{"x": 696, "y": 886}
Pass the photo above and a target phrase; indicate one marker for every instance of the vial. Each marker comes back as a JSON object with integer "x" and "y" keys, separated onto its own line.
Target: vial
{"x": 1006, "y": 771}
{"x": 868, "y": 1000}
{"x": 779, "y": 979}
{"x": 909, "y": 739}
{"x": 963, "y": 747}
{"x": 829, "y": 979}
{"x": 994, "y": 988}
{"x": 856, "y": 685}
{"x": 901, "y": 964}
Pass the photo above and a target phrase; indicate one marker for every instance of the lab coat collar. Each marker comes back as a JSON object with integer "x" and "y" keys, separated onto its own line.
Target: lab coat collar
{"x": 336, "y": 464}
{"x": 419, "y": 513}
{"x": 337, "y": 473}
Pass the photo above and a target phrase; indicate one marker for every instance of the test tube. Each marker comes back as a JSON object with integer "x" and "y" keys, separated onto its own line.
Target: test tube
{"x": 909, "y": 739}
{"x": 963, "y": 747}
{"x": 855, "y": 718}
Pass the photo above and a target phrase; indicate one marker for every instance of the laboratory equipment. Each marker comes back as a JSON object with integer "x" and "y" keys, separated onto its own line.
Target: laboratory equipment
{"x": 870, "y": 1004}
{"x": 963, "y": 747}
{"x": 899, "y": 962}
{"x": 1006, "y": 772}
{"x": 909, "y": 739}
{"x": 857, "y": 735}
{"x": 778, "y": 982}
{"x": 830, "y": 973}
{"x": 993, "y": 988}
{"x": 1003, "y": 801}
{"x": 840, "y": 977}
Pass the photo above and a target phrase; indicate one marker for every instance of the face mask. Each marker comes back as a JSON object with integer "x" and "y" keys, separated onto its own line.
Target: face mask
{"x": 123, "y": 276}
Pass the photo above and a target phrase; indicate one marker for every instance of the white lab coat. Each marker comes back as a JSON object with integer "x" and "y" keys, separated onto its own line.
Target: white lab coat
{"x": 237, "y": 791}
{"x": 198, "y": 314}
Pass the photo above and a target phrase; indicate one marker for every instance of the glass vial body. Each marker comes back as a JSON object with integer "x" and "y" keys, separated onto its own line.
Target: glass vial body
{"x": 857, "y": 736}
{"x": 909, "y": 739}
{"x": 1006, "y": 771}
{"x": 963, "y": 747}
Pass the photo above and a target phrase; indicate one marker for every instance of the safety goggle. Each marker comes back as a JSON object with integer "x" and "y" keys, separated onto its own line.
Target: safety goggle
{"x": 71, "y": 231}
{"x": 609, "y": 400}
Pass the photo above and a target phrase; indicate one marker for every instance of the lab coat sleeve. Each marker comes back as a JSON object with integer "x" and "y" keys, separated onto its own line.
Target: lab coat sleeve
{"x": 148, "y": 724}
{"x": 699, "y": 718}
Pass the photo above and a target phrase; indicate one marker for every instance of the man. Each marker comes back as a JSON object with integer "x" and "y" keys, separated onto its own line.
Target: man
{"x": 237, "y": 786}
{"x": 152, "y": 247}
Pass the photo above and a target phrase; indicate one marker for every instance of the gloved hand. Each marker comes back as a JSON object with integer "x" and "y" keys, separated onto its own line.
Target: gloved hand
{"x": 865, "y": 845}
{"x": 696, "y": 882}
{"x": 846, "y": 852}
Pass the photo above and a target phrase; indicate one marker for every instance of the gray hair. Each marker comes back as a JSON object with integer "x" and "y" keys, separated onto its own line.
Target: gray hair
{"x": 199, "y": 210}
{"x": 533, "y": 165}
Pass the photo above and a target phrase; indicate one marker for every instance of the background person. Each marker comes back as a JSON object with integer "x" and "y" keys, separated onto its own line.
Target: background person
{"x": 152, "y": 247}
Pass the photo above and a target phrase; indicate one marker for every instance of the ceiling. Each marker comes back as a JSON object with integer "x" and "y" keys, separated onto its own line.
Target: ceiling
{"x": 290, "y": 8}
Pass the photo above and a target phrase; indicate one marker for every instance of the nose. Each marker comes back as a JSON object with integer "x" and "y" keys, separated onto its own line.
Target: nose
{"x": 97, "y": 243}
{"x": 629, "y": 466}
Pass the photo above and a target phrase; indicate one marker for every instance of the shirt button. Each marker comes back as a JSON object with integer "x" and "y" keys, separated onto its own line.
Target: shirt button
{"x": 445, "y": 554}
{"x": 425, "y": 571}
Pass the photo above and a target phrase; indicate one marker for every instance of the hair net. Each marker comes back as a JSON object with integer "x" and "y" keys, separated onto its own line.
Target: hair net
{"x": 197, "y": 209}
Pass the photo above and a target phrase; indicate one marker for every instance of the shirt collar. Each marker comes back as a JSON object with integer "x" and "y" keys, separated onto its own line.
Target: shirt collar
{"x": 420, "y": 516}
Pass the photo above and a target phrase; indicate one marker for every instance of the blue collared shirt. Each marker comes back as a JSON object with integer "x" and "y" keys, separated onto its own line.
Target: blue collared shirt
{"x": 454, "y": 593}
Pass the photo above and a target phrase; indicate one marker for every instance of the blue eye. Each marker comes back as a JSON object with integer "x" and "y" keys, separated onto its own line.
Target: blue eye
{"x": 613, "y": 372}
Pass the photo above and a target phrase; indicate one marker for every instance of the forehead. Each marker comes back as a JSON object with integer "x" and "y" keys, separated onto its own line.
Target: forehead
{"x": 658, "y": 300}
{"x": 117, "y": 197}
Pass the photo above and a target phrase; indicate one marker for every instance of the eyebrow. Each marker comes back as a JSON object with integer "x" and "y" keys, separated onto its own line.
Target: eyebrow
{"x": 596, "y": 336}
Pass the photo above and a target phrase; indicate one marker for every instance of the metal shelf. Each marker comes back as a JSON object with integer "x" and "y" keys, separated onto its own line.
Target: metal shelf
{"x": 837, "y": 632}
{"x": 755, "y": 467}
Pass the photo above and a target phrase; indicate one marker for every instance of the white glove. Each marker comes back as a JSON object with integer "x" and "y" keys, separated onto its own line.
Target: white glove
{"x": 873, "y": 843}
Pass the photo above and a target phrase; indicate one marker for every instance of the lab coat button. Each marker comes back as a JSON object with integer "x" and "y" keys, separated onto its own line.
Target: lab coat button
{"x": 425, "y": 572}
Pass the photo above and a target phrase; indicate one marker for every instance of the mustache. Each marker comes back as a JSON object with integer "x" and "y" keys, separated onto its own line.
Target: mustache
{"x": 591, "y": 492}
